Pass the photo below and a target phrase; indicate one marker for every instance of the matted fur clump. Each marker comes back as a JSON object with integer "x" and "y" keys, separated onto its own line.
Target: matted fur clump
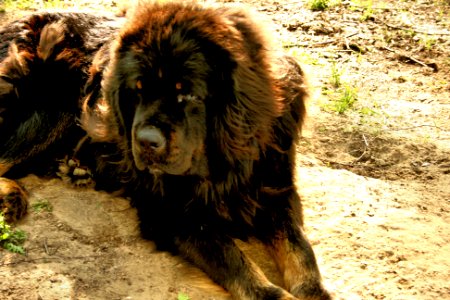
{"x": 194, "y": 115}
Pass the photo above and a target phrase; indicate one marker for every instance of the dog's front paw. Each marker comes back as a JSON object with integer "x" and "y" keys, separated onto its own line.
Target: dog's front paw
{"x": 313, "y": 291}
{"x": 71, "y": 171}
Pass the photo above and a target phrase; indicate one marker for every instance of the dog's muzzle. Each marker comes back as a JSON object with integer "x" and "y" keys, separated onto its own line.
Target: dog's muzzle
{"x": 151, "y": 140}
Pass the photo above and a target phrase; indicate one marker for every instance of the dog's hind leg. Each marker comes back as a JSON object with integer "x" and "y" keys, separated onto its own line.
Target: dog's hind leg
{"x": 13, "y": 200}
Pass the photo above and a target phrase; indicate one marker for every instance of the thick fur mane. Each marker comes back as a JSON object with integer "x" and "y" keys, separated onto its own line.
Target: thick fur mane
{"x": 253, "y": 76}
{"x": 257, "y": 106}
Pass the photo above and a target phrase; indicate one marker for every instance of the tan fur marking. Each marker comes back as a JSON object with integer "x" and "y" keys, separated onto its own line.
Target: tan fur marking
{"x": 4, "y": 167}
{"x": 51, "y": 36}
{"x": 292, "y": 264}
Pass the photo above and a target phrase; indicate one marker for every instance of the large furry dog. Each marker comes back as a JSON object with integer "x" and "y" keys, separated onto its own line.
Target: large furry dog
{"x": 195, "y": 116}
{"x": 44, "y": 65}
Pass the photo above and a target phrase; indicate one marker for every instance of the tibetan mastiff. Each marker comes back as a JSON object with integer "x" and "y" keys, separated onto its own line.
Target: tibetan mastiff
{"x": 45, "y": 60}
{"x": 194, "y": 115}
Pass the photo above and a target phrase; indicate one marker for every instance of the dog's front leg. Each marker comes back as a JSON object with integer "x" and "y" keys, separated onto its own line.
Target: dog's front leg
{"x": 296, "y": 261}
{"x": 227, "y": 265}
{"x": 293, "y": 253}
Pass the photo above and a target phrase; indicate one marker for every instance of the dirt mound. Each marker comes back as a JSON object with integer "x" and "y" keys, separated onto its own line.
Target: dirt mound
{"x": 383, "y": 157}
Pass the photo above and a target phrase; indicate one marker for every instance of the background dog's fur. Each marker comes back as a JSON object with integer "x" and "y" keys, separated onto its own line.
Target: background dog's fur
{"x": 42, "y": 77}
{"x": 45, "y": 61}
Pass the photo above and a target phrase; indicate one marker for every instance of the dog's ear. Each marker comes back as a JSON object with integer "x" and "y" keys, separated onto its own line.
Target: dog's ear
{"x": 249, "y": 91}
{"x": 52, "y": 35}
{"x": 16, "y": 64}
{"x": 99, "y": 116}
{"x": 118, "y": 92}
{"x": 242, "y": 126}
{"x": 248, "y": 101}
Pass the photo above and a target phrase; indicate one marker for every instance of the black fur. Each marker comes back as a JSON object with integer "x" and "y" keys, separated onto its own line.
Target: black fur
{"x": 42, "y": 76}
{"x": 206, "y": 116}
{"x": 190, "y": 112}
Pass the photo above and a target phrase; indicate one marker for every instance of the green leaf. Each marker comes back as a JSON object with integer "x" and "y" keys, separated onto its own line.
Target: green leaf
{"x": 182, "y": 296}
{"x": 14, "y": 248}
{"x": 4, "y": 236}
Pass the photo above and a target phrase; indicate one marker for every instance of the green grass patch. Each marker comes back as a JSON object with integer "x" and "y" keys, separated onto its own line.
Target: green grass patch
{"x": 335, "y": 77}
{"x": 10, "y": 5}
{"x": 340, "y": 94}
{"x": 367, "y": 14}
{"x": 17, "y": 4}
{"x": 182, "y": 296}
{"x": 42, "y": 206}
{"x": 428, "y": 42}
{"x": 320, "y": 5}
{"x": 367, "y": 7}
{"x": 341, "y": 99}
{"x": 367, "y": 111}
{"x": 304, "y": 57}
{"x": 11, "y": 239}
{"x": 317, "y": 5}
{"x": 347, "y": 97}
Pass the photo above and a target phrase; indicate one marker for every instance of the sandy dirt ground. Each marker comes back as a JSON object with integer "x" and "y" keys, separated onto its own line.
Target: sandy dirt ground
{"x": 375, "y": 178}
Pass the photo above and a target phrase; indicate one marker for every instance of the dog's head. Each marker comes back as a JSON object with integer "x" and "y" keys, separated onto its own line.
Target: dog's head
{"x": 191, "y": 89}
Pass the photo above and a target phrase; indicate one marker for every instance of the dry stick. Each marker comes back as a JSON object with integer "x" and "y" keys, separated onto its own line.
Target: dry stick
{"x": 46, "y": 247}
{"x": 366, "y": 146}
{"x": 347, "y": 45}
{"x": 309, "y": 44}
{"x": 319, "y": 43}
{"x": 431, "y": 66}
{"x": 381, "y": 8}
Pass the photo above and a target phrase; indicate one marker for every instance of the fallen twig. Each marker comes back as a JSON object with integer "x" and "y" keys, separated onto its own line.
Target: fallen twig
{"x": 376, "y": 7}
{"x": 366, "y": 146}
{"x": 46, "y": 247}
{"x": 404, "y": 57}
{"x": 306, "y": 44}
{"x": 317, "y": 44}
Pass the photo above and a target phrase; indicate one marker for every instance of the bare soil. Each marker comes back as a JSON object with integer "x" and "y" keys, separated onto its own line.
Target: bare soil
{"x": 375, "y": 179}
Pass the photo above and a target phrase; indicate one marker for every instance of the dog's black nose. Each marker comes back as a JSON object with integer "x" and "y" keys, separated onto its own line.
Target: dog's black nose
{"x": 151, "y": 138}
